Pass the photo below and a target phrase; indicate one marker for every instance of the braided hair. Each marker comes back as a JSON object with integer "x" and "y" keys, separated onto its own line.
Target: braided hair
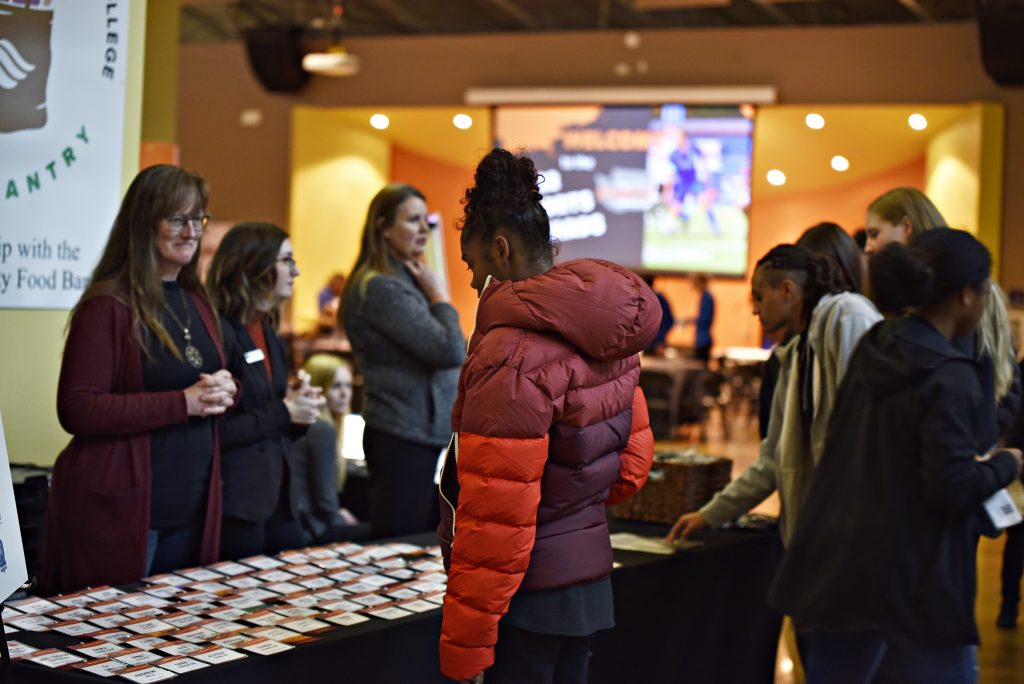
{"x": 506, "y": 194}
{"x": 816, "y": 275}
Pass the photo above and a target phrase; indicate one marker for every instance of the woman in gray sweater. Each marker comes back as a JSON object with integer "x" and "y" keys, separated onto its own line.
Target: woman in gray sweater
{"x": 407, "y": 342}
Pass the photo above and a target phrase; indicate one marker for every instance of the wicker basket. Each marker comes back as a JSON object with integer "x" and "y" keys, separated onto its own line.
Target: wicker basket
{"x": 678, "y": 483}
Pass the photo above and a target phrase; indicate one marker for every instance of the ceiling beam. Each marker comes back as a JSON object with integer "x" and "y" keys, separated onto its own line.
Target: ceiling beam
{"x": 401, "y": 18}
{"x": 511, "y": 9}
{"x": 774, "y": 12}
{"x": 918, "y": 10}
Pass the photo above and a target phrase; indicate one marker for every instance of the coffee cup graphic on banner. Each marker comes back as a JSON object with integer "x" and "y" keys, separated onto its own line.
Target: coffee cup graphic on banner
{"x": 24, "y": 63}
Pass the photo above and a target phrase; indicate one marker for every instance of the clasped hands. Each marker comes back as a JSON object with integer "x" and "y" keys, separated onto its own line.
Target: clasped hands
{"x": 304, "y": 402}
{"x": 211, "y": 395}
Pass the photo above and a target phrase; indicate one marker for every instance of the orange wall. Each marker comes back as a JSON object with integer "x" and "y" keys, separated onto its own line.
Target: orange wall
{"x": 443, "y": 184}
{"x": 772, "y": 221}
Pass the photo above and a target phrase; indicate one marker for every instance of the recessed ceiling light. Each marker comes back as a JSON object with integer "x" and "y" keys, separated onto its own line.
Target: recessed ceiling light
{"x": 462, "y": 121}
{"x": 840, "y": 163}
{"x": 815, "y": 121}
{"x": 917, "y": 122}
{"x": 776, "y": 177}
{"x": 380, "y": 121}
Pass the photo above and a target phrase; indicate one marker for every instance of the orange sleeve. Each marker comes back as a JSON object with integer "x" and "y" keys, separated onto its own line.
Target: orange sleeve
{"x": 638, "y": 454}
{"x": 495, "y": 526}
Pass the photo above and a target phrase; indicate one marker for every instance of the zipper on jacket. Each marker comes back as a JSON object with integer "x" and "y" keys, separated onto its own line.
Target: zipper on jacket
{"x": 453, "y": 449}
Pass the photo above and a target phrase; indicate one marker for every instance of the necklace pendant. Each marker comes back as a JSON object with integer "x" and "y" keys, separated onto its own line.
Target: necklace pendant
{"x": 192, "y": 355}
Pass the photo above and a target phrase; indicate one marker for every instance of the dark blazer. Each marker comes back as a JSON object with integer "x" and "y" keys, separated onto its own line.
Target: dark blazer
{"x": 98, "y": 515}
{"x": 887, "y": 536}
{"x": 256, "y": 436}
{"x": 314, "y": 469}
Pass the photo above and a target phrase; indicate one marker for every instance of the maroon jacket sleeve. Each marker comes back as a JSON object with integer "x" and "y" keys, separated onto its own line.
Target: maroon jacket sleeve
{"x": 94, "y": 354}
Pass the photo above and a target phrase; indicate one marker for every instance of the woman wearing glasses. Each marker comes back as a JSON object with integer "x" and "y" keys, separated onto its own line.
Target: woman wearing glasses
{"x": 408, "y": 345}
{"x": 250, "y": 275}
{"x": 137, "y": 491}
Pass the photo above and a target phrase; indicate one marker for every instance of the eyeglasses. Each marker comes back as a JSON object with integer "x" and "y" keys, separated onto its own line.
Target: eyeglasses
{"x": 287, "y": 261}
{"x": 198, "y": 223}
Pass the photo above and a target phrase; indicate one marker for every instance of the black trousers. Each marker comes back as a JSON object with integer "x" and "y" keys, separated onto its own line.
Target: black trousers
{"x": 1013, "y": 563}
{"x": 243, "y": 538}
{"x": 522, "y": 657}
{"x": 403, "y": 496}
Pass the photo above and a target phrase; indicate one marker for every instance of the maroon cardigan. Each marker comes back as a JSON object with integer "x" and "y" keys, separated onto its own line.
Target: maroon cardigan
{"x": 98, "y": 516}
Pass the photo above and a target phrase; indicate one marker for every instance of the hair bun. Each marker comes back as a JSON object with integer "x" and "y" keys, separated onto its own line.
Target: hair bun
{"x": 505, "y": 179}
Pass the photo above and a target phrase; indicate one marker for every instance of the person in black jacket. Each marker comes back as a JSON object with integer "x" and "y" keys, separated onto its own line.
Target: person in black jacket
{"x": 1013, "y": 552}
{"x": 250, "y": 275}
{"x": 881, "y": 565}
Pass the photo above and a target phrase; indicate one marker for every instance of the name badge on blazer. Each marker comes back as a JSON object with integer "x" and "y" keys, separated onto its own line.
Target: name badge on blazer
{"x": 254, "y": 356}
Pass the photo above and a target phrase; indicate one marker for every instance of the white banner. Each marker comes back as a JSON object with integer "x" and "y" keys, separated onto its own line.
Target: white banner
{"x": 62, "y": 78}
{"x": 13, "y": 572}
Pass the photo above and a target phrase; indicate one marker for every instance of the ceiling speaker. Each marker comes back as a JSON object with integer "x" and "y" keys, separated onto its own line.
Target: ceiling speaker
{"x": 1001, "y": 33}
{"x": 275, "y": 55}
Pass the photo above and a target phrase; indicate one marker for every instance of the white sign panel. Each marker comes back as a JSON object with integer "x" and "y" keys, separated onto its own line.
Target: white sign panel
{"x": 62, "y": 82}
{"x": 13, "y": 571}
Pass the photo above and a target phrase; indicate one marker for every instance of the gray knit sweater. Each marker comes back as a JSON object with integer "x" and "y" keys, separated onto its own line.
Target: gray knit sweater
{"x": 409, "y": 353}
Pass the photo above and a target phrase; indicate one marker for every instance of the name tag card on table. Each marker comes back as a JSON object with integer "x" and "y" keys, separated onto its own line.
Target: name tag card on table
{"x": 19, "y": 650}
{"x": 34, "y": 605}
{"x": 75, "y": 600}
{"x": 104, "y": 593}
{"x": 216, "y": 655}
{"x": 97, "y": 649}
{"x": 345, "y": 618}
{"x": 52, "y": 657}
{"x": 135, "y": 656}
{"x": 261, "y": 646}
{"x": 142, "y": 674}
{"x": 74, "y": 628}
{"x": 180, "y": 664}
{"x": 285, "y": 636}
{"x": 102, "y": 667}
{"x": 108, "y": 620}
{"x": 176, "y": 648}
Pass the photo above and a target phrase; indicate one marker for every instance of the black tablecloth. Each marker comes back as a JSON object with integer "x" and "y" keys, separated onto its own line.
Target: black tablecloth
{"x": 696, "y": 616}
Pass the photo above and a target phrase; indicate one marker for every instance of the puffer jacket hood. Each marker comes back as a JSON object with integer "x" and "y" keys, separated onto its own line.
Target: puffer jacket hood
{"x": 604, "y": 310}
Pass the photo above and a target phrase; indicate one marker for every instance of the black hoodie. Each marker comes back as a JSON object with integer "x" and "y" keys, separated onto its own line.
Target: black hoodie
{"x": 889, "y": 531}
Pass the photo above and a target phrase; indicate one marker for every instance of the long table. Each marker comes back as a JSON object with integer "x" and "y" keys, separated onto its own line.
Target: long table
{"x": 696, "y": 616}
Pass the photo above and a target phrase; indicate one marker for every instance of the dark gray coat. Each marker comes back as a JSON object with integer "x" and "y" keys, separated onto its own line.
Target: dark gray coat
{"x": 409, "y": 353}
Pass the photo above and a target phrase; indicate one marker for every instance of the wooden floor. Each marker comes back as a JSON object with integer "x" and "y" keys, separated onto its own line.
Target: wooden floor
{"x": 1001, "y": 654}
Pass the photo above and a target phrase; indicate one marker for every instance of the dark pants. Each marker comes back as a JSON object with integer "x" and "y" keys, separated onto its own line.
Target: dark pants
{"x": 1013, "y": 563}
{"x": 522, "y": 657}
{"x": 403, "y": 496}
{"x": 702, "y": 353}
{"x": 175, "y": 549}
{"x": 243, "y": 538}
{"x": 871, "y": 657}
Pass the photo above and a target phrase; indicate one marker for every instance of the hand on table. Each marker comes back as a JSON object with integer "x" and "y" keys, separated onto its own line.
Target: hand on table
{"x": 687, "y": 524}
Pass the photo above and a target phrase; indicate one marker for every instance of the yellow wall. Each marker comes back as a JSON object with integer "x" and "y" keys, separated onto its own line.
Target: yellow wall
{"x": 991, "y": 172}
{"x": 33, "y": 340}
{"x": 336, "y": 171}
{"x": 964, "y": 171}
{"x": 951, "y": 175}
{"x": 160, "y": 103}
